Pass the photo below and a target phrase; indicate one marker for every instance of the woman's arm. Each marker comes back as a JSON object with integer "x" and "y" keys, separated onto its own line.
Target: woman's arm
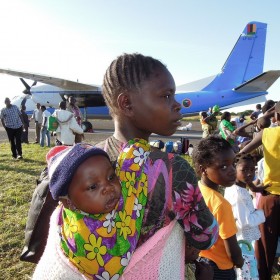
{"x": 255, "y": 143}
{"x": 200, "y": 226}
{"x": 270, "y": 112}
{"x": 233, "y": 251}
{"x": 241, "y": 130}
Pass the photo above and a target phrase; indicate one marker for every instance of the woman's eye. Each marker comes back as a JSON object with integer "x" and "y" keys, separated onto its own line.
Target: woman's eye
{"x": 224, "y": 167}
{"x": 167, "y": 96}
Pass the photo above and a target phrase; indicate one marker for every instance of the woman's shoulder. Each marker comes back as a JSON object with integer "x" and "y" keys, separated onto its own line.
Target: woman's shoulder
{"x": 111, "y": 146}
{"x": 182, "y": 171}
{"x": 174, "y": 160}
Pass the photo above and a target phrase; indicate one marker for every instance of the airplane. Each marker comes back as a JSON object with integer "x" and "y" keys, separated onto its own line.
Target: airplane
{"x": 241, "y": 81}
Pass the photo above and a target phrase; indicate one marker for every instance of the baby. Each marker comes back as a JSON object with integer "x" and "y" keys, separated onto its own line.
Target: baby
{"x": 95, "y": 229}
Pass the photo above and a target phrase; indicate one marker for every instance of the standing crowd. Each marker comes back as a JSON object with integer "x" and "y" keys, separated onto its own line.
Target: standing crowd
{"x": 254, "y": 197}
{"x": 16, "y": 124}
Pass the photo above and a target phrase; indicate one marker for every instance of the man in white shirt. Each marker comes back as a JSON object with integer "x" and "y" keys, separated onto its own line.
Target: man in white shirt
{"x": 238, "y": 121}
{"x": 44, "y": 128}
{"x": 37, "y": 116}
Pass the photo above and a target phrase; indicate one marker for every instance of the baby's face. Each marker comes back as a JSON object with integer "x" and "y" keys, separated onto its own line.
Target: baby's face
{"x": 95, "y": 188}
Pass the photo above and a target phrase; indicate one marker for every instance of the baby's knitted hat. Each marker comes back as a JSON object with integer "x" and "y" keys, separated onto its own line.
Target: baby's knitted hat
{"x": 63, "y": 161}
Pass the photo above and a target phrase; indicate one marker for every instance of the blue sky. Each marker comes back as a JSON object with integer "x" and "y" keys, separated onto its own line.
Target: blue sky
{"x": 77, "y": 39}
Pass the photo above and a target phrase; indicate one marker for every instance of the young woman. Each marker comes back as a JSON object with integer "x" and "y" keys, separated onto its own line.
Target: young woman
{"x": 140, "y": 93}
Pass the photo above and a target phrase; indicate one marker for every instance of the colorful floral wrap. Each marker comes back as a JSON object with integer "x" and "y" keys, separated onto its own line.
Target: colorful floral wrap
{"x": 103, "y": 244}
{"x": 169, "y": 174}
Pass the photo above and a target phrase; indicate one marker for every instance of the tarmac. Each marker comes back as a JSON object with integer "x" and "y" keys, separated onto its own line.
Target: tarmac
{"x": 105, "y": 128}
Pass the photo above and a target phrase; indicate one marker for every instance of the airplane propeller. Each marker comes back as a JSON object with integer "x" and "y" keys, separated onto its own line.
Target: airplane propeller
{"x": 27, "y": 86}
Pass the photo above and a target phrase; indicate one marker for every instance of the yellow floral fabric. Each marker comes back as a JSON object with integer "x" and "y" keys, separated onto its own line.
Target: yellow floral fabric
{"x": 101, "y": 245}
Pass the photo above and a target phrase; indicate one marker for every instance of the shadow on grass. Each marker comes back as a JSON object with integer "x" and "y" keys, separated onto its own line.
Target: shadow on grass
{"x": 20, "y": 169}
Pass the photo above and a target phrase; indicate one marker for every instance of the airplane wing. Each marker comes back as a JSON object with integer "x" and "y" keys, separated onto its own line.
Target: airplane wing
{"x": 62, "y": 83}
{"x": 260, "y": 83}
{"x": 195, "y": 85}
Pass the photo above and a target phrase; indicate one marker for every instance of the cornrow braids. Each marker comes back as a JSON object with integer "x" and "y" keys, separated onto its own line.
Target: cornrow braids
{"x": 125, "y": 74}
{"x": 204, "y": 154}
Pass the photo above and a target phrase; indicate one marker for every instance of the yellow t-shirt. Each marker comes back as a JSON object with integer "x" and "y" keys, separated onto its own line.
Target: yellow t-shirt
{"x": 222, "y": 211}
{"x": 271, "y": 150}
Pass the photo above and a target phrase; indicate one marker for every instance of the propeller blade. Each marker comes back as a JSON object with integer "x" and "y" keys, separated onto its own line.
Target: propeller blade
{"x": 27, "y": 86}
{"x": 23, "y": 102}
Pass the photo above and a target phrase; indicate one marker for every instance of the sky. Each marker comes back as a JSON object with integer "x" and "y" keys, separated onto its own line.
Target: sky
{"x": 77, "y": 39}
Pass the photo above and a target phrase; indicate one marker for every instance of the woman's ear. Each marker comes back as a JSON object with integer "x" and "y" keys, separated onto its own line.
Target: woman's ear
{"x": 124, "y": 103}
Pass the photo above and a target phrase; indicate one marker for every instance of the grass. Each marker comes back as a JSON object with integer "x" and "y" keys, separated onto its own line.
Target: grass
{"x": 17, "y": 181}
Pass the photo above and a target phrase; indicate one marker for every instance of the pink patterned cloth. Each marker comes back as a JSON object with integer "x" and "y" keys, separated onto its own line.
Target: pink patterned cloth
{"x": 160, "y": 257}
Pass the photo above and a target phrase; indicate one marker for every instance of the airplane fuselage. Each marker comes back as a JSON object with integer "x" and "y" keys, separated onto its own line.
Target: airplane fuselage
{"x": 195, "y": 102}
{"x": 191, "y": 102}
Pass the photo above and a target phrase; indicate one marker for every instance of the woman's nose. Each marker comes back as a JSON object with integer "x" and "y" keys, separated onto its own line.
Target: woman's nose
{"x": 177, "y": 105}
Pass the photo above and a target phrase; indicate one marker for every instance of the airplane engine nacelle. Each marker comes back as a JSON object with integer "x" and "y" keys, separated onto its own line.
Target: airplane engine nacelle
{"x": 24, "y": 99}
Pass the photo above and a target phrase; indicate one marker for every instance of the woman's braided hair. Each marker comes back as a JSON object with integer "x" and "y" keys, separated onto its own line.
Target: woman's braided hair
{"x": 125, "y": 74}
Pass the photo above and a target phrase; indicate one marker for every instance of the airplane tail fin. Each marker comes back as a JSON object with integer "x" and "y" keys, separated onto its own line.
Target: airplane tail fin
{"x": 245, "y": 60}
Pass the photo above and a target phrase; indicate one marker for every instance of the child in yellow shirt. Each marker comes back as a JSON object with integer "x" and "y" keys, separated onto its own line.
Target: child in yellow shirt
{"x": 214, "y": 162}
